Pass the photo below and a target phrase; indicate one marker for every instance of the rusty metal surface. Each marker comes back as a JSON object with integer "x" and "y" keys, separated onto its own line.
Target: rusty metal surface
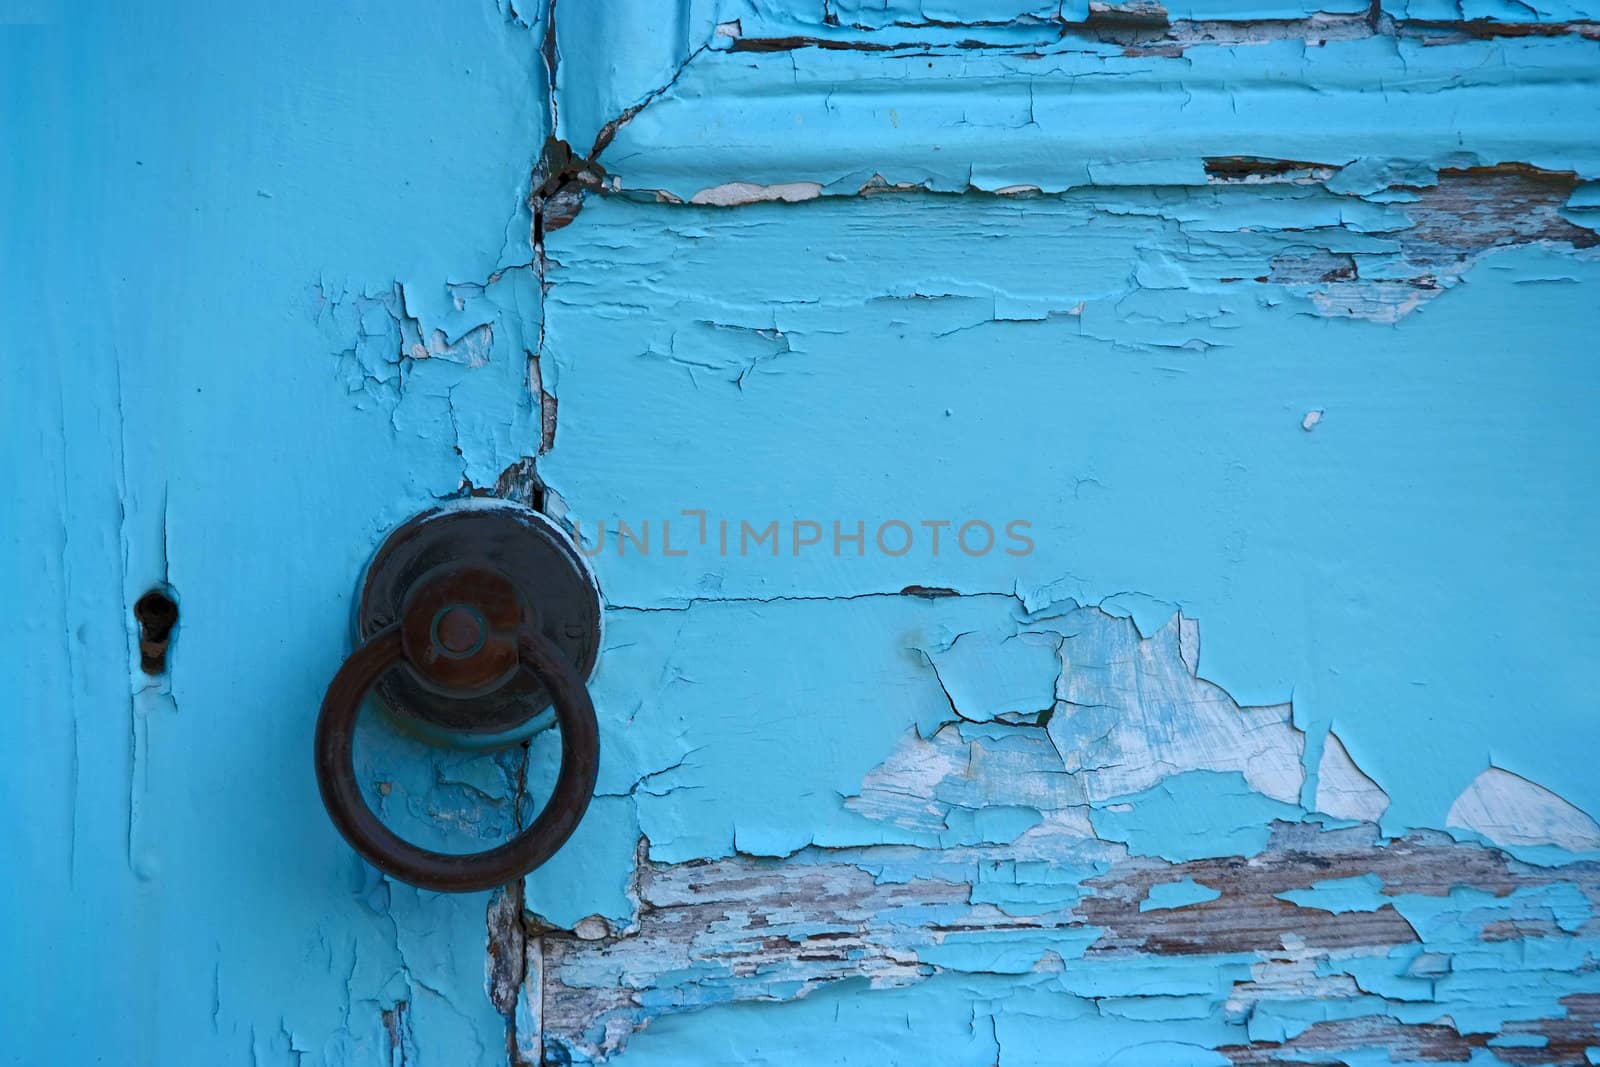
{"x": 459, "y": 635}
{"x": 549, "y": 579}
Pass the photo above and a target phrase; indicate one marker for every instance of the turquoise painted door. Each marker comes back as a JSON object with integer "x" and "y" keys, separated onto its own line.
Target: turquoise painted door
{"x": 1093, "y": 506}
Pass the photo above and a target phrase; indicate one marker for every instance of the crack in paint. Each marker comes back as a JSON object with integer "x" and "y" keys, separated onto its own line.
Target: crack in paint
{"x": 1307, "y": 918}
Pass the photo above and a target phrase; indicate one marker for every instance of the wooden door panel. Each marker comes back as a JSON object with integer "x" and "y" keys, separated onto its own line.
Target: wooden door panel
{"x": 1257, "y": 727}
{"x": 1226, "y": 312}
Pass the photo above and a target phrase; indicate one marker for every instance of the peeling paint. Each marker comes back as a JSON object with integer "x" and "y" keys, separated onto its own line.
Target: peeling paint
{"x": 1248, "y": 930}
{"x": 1343, "y": 790}
{"x": 1108, "y": 267}
{"x": 734, "y": 193}
{"x": 1078, "y": 828}
{"x": 303, "y": 284}
{"x": 1510, "y": 810}
{"x": 1061, "y": 749}
{"x": 1233, "y": 975}
{"x": 1179, "y": 894}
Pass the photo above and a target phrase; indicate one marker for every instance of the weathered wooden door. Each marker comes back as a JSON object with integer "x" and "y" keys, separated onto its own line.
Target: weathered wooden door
{"x": 1094, "y": 506}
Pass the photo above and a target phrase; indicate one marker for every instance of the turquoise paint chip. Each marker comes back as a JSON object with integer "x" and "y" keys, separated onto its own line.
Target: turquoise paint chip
{"x": 1177, "y": 895}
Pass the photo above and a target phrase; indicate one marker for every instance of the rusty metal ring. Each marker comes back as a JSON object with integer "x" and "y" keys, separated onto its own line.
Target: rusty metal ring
{"x": 444, "y": 871}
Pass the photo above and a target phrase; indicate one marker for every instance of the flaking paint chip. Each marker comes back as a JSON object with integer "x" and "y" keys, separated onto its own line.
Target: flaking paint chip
{"x": 1313, "y": 417}
{"x": 592, "y": 928}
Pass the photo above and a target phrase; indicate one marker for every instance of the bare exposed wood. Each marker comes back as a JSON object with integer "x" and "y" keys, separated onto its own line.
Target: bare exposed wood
{"x": 753, "y": 929}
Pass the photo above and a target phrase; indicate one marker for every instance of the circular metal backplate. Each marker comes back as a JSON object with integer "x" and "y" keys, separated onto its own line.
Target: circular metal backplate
{"x": 552, "y": 579}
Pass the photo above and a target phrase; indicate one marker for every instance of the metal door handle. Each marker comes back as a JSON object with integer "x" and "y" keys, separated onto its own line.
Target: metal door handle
{"x": 467, "y": 644}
